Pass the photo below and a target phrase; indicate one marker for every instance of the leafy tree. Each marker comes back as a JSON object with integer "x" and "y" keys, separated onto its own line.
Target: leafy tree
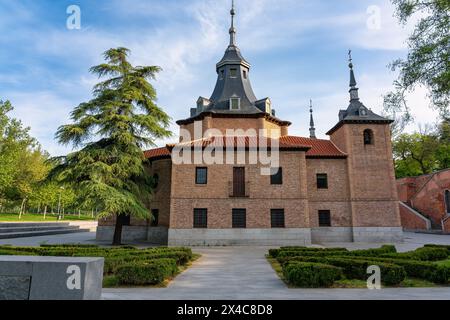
{"x": 422, "y": 152}
{"x": 112, "y": 129}
{"x": 428, "y": 59}
{"x": 20, "y": 156}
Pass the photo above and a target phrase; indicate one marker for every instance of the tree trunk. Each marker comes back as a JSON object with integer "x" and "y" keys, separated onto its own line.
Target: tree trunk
{"x": 21, "y": 209}
{"x": 79, "y": 214}
{"x": 117, "y": 240}
{"x": 45, "y": 212}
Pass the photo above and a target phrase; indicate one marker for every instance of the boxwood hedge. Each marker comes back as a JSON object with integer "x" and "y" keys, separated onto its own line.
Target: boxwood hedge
{"x": 311, "y": 275}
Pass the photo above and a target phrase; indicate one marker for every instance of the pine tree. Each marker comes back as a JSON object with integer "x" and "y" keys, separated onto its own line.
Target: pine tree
{"x": 111, "y": 130}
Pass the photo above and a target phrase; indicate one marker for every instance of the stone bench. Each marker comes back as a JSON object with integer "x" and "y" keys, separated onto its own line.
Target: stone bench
{"x": 50, "y": 278}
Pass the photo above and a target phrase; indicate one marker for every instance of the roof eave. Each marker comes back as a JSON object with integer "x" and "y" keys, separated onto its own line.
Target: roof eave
{"x": 366, "y": 121}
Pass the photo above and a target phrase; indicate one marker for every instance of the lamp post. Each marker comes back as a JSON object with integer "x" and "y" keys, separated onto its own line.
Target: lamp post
{"x": 59, "y": 203}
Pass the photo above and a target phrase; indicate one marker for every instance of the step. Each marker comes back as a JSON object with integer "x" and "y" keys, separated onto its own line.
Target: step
{"x": 35, "y": 228}
{"x": 32, "y": 224}
{"x": 40, "y": 233}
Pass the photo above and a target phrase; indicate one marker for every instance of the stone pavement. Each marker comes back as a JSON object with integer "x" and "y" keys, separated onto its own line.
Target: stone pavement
{"x": 243, "y": 273}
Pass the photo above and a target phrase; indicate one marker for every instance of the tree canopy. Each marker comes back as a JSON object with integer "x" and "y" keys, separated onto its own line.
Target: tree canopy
{"x": 112, "y": 129}
{"x": 428, "y": 59}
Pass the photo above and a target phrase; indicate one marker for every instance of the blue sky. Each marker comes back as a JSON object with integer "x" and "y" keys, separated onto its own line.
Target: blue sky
{"x": 297, "y": 48}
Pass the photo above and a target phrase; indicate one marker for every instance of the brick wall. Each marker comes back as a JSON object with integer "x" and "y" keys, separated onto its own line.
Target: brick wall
{"x": 215, "y": 196}
{"x": 372, "y": 184}
{"x": 335, "y": 198}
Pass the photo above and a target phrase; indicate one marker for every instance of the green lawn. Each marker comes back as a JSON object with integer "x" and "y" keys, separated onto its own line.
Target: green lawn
{"x": 11, "y": 217}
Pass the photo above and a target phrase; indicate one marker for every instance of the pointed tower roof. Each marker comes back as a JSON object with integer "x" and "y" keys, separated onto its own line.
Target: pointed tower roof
{"x": 357, "y": 112}
{"x": 312, "y": 129}
{"x": 233, "y": 93}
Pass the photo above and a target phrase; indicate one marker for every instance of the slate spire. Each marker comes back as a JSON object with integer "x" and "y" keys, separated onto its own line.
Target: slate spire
{"x": 312, "y": 129}
{"x": 354, "y": 96}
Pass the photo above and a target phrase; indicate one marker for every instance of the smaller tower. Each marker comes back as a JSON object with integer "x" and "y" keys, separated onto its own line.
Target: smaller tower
{"x": 365, "y": 137}
{"x": 312, "y": 129}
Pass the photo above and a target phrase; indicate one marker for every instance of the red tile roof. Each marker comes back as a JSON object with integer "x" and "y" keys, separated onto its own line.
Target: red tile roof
{"x": 319, "y": 148}
{"x": 157, "y": 153}
{"x": 316, "y": 148}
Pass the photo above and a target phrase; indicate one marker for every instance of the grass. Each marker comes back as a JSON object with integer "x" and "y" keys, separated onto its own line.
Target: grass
{"x": 111, "y": 281}
{"x": 355, "y": 283}
{"x": 33, "y": 217}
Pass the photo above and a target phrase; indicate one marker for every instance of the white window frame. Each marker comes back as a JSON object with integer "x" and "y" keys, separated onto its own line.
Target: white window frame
{"x": 231, "y": 103}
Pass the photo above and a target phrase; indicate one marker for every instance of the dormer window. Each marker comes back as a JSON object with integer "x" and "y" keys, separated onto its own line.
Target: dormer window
{"x": 233, "y": 73}
{"x": 235, "y": 103}
{"x": 222, "y": 74}
{"x": 363, "y": 112}
{"x": 245, "y": 74}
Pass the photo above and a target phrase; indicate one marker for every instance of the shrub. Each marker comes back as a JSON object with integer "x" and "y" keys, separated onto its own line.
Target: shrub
{"x": 311, "y": 275}
{"x": 146, "y": 274}
{"x": 420, "y": 269}
{"x": 422, "y": 254}
{"x": 274, "y": 252}
{"x": 391, "y": 274}
{"x": 374, "y": 252}
{"x": 447, "y": 247}
{"x": 69, "y": 245}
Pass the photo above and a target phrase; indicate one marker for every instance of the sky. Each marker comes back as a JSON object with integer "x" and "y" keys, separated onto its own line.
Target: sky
{"x": 298, "y": 50}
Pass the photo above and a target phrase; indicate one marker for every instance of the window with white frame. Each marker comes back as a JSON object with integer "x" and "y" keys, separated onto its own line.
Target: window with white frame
{"x": 235, "y": 103}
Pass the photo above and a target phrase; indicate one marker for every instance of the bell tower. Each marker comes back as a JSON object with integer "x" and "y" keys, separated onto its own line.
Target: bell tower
{"x": 365, "y": 137}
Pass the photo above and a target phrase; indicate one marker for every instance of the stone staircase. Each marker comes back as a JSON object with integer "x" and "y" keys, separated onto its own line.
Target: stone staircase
{"x": 35, "y": 229}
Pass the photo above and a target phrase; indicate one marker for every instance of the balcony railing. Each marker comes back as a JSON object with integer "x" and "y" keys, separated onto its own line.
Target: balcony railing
{"x": 239, "y": 190}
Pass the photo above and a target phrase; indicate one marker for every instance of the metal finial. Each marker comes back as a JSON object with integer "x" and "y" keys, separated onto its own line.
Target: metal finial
{"x": 232, "y": 28}
{"x": 312, "y": 129}
{"x": 350, "y": 60}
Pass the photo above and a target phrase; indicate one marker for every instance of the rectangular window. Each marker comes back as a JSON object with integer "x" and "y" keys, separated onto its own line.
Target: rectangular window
{"x": 154, "y": 218}
{"x": 277, "y": 218}
{"x": 201, "y": 218}
{"x": 322, "y": 181}
{"x": 277, "y": 178}
{"x": 239, "y": 182}
{"x": 201, "y": 175}
{"x": 239, "y": 218}
{"x": 245, "y": 74}
{"x": 324, "y": 218}
{"x": 233, "y": 73}
{"x": 235, "y": 103}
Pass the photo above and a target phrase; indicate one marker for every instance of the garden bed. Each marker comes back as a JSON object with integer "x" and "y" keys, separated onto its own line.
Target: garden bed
{"x": 124, "y": 266}
{"x": 304, "y": 267}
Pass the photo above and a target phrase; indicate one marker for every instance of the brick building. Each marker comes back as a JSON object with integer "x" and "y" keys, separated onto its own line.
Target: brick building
{"x": 425, "y": 201}
{"x": 342, "y": 189}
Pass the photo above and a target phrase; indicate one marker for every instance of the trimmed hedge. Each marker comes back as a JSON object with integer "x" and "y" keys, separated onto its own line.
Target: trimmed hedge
{"x": 421, "y": 254}
{"x": 442, "y": 246}
{"x": 386, "y": 249}
{"x": 419, "y": 269}
{"x": 116, "y": 258}
{"x": 274, "y": 252}
{"x": 311, "y": 275}
{"x": 391, "y": 274}
{"x": 150, "y": 273}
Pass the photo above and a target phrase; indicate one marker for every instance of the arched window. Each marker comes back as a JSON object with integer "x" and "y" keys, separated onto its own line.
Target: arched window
{"x": 155, "y": 181}
{"x": 368, "y": 137}
{"x": 447, "y": 201}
